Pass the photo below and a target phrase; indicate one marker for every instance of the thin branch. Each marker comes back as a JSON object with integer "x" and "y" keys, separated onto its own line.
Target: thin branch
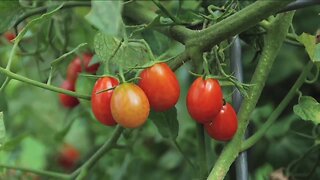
{"x": 43, "y": 85}
{"x": 40, "y": 172}
{"x": 277, "y": 112}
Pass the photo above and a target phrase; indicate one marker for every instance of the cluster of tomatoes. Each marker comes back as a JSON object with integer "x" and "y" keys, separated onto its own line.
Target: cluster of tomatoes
{"x": 129, "y": 104}
{"x": 206, "y": 105}
{"x": 78, "y": 65}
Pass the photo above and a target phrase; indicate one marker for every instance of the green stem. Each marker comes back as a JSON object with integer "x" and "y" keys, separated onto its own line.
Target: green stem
{"x": 273, "y": 41}
{"x": 39, "y": 172}
{"x": 42, "y": 85}
{"x": 165, "y": 11}
{"x": 44, "y": 9}
{"x": 277, "y": 112}
{"x": 144, "y": 15}
{"x": 203, "y": 165}
{"x": 107, "y": 146}
{"x": 236, "y": 23}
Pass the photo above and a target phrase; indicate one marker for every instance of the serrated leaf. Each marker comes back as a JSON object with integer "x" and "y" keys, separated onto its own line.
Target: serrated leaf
{"x": 166, "y": 123}
{"x": 124, "y": 54}
{"x": 2, "y": 130}
{"x": 9, "y": 13}
{"x": 106, "y": 16}
{"x": 308, "y": 109}
{"x": 309, "y": 42}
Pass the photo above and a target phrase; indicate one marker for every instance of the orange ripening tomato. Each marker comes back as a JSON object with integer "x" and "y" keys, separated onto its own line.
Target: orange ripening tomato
{"x": 204, "y": 99}
{"x": 224, "y": 125}
{"x": 161, "y": 86}
{"x": 66, "y": 100}
{"x": 100, "y": 103}
{"x": 129, "y": 105}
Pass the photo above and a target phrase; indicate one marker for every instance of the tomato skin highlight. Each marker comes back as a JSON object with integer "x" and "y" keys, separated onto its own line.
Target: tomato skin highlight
{"x": 68, "y": 157}
{"x": 161, "y": 86}
{"x": 224, "y": 125}
{"x": 100, "y": 103}
{"x": 66, "y": 100}
{"x": 76, "y": 66}
{"x": 204, "y": 99}
{"x": 129, "y": 105}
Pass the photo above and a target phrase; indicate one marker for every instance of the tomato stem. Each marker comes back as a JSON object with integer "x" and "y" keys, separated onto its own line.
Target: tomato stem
{"x": 280, "y": 108}
{"x": 121, "y": 74}
{"x": 18, "y": 77}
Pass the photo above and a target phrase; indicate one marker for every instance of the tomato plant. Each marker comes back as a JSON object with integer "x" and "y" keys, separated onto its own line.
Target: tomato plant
{"x": 9, "y": 36}
{"x": 66, "y": 100}
{"x": 161, "y": 86}
{"x": 129, "y": 105}
{"x": 101, "y": 100}
{"x": 255, "y": 55}
{"x": 68, "y": 157}
{"x": 80, "y": 64}
{"x": 224, "y": 125}
{"x": 204, "y": 99}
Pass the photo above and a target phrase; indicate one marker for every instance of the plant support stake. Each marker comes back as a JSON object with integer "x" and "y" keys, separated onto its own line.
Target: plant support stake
{"x": 236, "y": 64}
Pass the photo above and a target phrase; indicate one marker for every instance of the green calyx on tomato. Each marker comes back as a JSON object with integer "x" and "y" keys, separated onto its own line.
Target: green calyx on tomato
{"x": 100, "y": 102}
{"x": 204, "y": 99}
{"x": 224, "y": 125}
{"x": 129, "y": 105}
{"x": 161, "y": 86}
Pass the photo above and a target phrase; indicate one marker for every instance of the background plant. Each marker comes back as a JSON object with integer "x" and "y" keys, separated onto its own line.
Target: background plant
{"x": 280, "y": 58}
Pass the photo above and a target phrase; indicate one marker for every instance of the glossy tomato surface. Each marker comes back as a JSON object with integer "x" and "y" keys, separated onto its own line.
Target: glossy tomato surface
{"x": 100, "y": 103}
{"x": 77, "y": 66}
{"x": 204, "y": 99}
{"x": 68, "y": 157}
{"x": 66, "y": 100}
{"x": 224, "y": 125}
{"x": 161, "y": 86}
{"x": 129, "y": 105}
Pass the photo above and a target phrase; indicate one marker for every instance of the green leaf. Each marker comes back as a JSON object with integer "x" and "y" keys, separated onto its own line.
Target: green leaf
{"x": 308, "y": 109}
{"x": 9, "y": 13}
{"x": 124, "y": 54}
{"x": 166, "y": 122}
{"x": 309, "y": 42}
{"x": 316, "y": 56}
{"x": 35, "y": 21}
{"x": 12, "y": 143}
{"x": 2, "y": 130}
{"x": 106, "y": 16}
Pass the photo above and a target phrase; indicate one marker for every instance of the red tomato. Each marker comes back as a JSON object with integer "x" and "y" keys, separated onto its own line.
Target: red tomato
{"x": 9, "y": 36}
{"x": 129, "y": 105}
{"x": 68, "y": 157}
{"x": 161, "y": 86}
{"x": 66, "y": 100}
{"x": 204, "y": 99}
{"x": 100, "y": 103}
{"x": 224, "y": 125}
{"x": 76, "y": 66}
